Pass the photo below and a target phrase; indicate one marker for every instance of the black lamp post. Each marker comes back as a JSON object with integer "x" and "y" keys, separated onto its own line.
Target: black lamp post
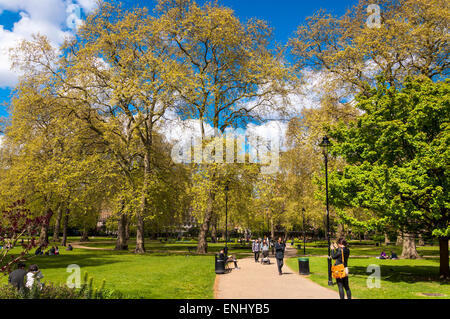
{"x": 226, "y": 218}
{"x": 325, "y": 145}
{"x": 304, "y": 235}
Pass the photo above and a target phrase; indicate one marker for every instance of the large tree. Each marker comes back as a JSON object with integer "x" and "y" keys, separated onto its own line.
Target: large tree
{"x": 230, "y": 73}
{"x": 398, "y": 159}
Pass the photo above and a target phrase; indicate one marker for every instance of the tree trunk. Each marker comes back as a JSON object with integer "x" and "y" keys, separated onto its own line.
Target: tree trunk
{"x": 214, "y": 230}
{"x": 409, "y": 247}
{"x": 122, "y": 240}
{"x": 140, "y": 246}
{"x": 272, "y": 229}
{"x": 65, "y": 225}
{"x": 202, "y": 246}
{"x": 57, "y": 226}
{"x": 127, "y": 229}
{"x": 386, "y": 239}
{"x": 421, "y": 241}
{"x": 399, "y": 241}
{"x": 142, "y": 211}
{"x": 43, "y": 237}
{"x": 444, "y": 271}
{"x": 340, "y": 231}
{"x": 223, "y": 234}
{"x": 84, "y": 235}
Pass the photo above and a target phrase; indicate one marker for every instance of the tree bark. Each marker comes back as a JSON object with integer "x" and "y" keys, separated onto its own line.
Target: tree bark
{"x": 214, "y": 230}
{"x": 57, "y": 226}
{"x": 272, "y": 229}
{"x": 386, "y": 239}
{"x": 399, "y": 241}
{"x": 84, "y": 235}
{"x": 122, "y": 240}
{"x": 223, "y": 234}
{"x": 65, "y": 225}
{"x": 444, "y": 271}
{"x": 142, "y": 211}
{"x": 421, "y": 241}
{"x": 409, "y": 247}
{"x": 43, "y": 237}
{"x": 340, "y": 231}
{"x": 127, "y": 229}
{"x": 202, "y": 246}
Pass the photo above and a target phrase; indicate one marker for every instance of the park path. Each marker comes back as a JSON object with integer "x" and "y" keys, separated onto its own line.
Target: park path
{"x": 256, "y": 281}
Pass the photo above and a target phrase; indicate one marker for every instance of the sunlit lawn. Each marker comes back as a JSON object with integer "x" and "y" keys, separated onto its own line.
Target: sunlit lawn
{"x": 400, "y": 279}
{"x": 150, "y": 276}
{"x": 170, "y": 271}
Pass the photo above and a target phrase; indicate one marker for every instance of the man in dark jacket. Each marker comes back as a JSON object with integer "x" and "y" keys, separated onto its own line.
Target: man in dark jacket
{"x": 279, "y": 254}
{"x": 17, "y": 276}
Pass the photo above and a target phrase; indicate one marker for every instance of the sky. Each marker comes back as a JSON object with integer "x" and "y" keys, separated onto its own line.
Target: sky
{"x": 56, "y": 19}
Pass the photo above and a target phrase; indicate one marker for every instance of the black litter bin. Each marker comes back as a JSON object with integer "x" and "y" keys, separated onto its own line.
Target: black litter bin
{"x": 303, "y": 266}
{"x": 220, "y": 265}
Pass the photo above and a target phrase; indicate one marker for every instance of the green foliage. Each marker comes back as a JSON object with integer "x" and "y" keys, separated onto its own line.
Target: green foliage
{"x": 52, "y": 291}
{"x": 398, "y": 155}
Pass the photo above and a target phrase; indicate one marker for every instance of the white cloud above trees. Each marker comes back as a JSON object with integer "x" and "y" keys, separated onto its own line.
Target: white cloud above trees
{"x": 46, "y": 17}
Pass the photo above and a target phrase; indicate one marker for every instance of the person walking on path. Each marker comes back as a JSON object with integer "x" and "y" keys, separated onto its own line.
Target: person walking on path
{"x": 341, "y": 254}
{"x": 265, "y": 250}
{"x": 279, "y": 254}
{"x": 256, "y": 247}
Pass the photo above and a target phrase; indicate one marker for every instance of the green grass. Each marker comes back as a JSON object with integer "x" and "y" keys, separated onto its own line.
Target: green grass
{"x": 176, "y": 247}
{"x": 400, "y": 279}
{"x": 152, "y": 276}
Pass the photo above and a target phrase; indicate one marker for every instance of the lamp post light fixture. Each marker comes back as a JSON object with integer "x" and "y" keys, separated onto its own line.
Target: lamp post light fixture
{"x": 227, "y": 188}
{"x": 325, "y": 145}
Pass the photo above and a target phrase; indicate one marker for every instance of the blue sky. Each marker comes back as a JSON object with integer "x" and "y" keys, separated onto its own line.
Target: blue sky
{"x": 20, "y": 18}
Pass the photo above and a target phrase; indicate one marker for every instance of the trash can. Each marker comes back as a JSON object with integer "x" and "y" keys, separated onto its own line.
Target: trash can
{"x": 220, "y": 265}
{"x": 303, "y": 266}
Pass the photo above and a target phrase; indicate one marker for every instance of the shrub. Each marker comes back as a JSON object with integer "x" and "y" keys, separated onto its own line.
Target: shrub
{"x": 51, "y": 291}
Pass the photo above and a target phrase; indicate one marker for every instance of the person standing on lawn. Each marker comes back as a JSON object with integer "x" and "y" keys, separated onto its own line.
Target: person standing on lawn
{"x": 279, "y": 254}
{"x": 340, "y": 251}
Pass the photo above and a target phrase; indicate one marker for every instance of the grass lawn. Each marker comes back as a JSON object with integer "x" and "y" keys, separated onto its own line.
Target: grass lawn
{"x": 175, "y": 247}
{"x": 152, "y": 276}
{"x": 400, "y": 279}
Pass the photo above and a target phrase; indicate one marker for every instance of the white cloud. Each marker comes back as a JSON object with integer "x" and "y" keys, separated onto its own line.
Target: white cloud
{"x": 47, "y": 17}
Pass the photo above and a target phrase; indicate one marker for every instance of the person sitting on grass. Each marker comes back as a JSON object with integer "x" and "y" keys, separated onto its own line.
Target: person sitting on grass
{"x": 69, "y": 247}
{"x": 56, "y": 250}
{"x": 52, "y": 250}
{"x": 394, "y": 255}
{"x": 383, "y": 255}
{"x": 33, "y": 277}
{"x": 38, "y": 251}
{"x": 16, "y": 277}
{"x": 228, "y": 259}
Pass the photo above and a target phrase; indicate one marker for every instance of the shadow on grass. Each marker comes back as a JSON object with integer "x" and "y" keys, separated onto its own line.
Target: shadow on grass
{"x": 404, "y": 273}
{"x": 81, "y": 259}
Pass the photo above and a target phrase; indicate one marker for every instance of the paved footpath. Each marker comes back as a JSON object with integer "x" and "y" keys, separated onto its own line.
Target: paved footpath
{"x": 257, "y": 281}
